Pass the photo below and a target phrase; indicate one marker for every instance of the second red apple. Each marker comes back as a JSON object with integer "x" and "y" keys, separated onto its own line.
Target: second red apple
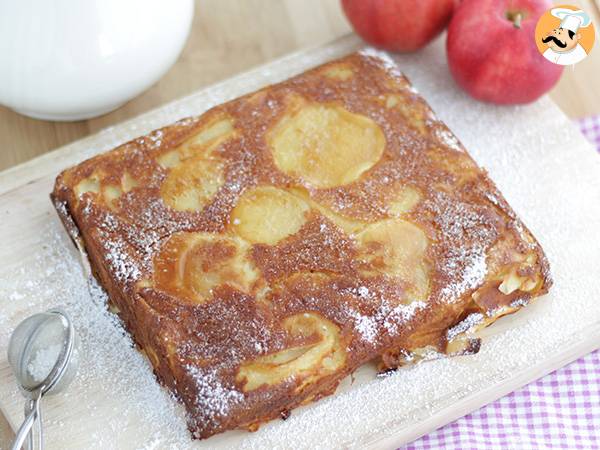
{"x": 492, "y": 52}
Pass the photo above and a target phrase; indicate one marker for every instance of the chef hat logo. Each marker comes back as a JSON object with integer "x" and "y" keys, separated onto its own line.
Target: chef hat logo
{"x": 571, "y": 20}
{"x": 565, "y": 35}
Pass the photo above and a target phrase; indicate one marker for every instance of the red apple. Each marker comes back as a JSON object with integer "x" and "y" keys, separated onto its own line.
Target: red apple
{"x": 492, "y": 52}
{"x": 398, "y": 25}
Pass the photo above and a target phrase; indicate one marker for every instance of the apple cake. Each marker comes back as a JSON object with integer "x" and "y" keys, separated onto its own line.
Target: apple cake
{"x": 264, "y": 250}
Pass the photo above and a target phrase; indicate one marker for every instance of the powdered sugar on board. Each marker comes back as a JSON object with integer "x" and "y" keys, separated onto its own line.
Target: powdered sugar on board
{"x": 109, "y": 367}
{"x": 545, "y": 169}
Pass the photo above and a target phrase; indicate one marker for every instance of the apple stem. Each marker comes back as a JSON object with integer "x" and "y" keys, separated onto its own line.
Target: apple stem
{"x": 517, "y": 20}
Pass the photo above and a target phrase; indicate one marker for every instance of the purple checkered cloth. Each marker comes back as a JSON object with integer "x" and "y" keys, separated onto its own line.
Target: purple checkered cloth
{"x": 590, "y": 127}
{"x": 558, "y": 411}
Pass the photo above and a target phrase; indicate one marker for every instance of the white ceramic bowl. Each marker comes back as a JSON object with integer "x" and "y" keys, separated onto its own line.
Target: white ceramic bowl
{"x": 76, "y": 59}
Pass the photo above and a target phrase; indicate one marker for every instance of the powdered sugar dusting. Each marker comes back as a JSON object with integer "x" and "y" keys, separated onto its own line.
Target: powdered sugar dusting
{"x": 449, "y": 139}
{"x": 116, "y": 400}
{"x": 467, "y": 234}
{"x": 123, "y": 266}
{"x": 363, "y": 291}
{"x": 388, "y": 317}
{"x": 114, "y": 387}
{"x": 465, "y": 325}
{"x": 215, "y": 400}
{"x": 472, "y": 273}
{"x": 400, "y": 314}
{"x": 128, "y": 251}
{"x": 365, "y": 325}
{"x": 388, "y": 63}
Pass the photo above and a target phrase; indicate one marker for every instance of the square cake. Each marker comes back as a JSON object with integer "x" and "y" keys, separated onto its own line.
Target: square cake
{"x": 261, "y": 252}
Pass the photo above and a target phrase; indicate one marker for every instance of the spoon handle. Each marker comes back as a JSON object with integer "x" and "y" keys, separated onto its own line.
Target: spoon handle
{"x": 29, "y": 441}
{"x": 25, "y": 428}
{"x": 39, "y": 425}
{"x": 35, "y": 438}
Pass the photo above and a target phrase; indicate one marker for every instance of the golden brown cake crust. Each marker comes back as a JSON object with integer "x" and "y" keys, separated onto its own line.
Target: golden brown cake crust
{"x": 257, "y": 268}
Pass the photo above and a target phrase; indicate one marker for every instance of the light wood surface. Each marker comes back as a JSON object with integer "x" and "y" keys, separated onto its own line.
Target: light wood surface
{"x": 229, "y": 36}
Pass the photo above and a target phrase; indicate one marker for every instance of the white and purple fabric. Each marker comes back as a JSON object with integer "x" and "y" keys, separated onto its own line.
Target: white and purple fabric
{"x": 590, "y": 127}
{"x": 558, "y": 411}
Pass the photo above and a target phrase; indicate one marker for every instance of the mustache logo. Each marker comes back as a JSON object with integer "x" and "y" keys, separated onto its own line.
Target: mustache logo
{"x": 555, "y": 40}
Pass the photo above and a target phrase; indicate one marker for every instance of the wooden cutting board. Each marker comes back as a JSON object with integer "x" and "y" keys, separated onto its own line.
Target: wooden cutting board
{"x": 545, "y": 168}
